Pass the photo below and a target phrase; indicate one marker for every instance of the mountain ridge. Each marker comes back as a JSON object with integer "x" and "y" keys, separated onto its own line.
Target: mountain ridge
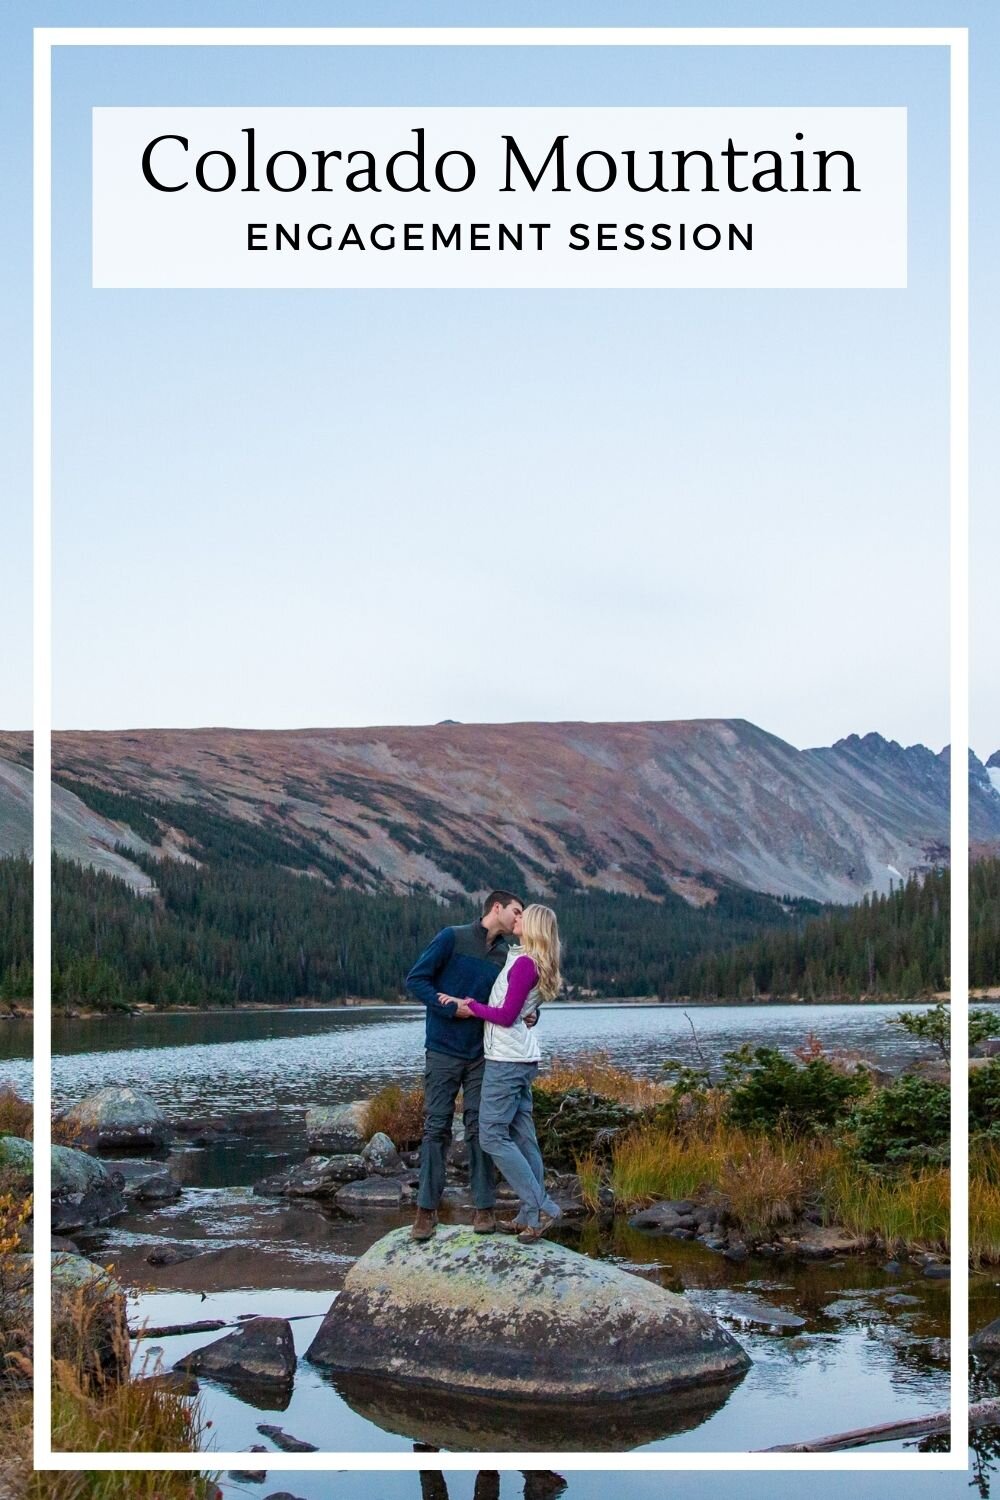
{"x": 640, "y": 808}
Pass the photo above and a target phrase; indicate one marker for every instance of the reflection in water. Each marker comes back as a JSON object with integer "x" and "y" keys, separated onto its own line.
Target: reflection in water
{"x": 539, "y": 1484}
{"x": 468, "y": 1423}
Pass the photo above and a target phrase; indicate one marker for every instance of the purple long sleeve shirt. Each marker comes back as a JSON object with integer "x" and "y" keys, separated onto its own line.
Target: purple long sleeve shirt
{"x": 521, "y": 981}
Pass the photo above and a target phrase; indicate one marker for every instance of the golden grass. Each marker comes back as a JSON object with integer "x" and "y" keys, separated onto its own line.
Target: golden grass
{"x": 95, "y": 1426}
{"x": 984, "y": 1202}
{"x": 769, "y": 1180}
{"x": 898, "y": 1211}
{"x": 590, "y": 1175}
{"x": 596, "y": 1072}
{"x": 15, "y": 1113}
{"x": 397, "y": 1113}
{"x": 655, "y": 1163}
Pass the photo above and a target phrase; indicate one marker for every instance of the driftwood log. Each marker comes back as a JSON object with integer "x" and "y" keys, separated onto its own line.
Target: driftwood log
{"x": 981, "y": 1414}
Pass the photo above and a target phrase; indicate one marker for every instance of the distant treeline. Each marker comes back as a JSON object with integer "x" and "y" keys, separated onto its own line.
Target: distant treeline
{"x": 894, "y": 945}
{"x": 234, "y": 932}
{"x": 15, "y": 929}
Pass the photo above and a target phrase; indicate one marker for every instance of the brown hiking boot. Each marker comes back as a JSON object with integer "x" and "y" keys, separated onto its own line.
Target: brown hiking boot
{"x": 484, "y": 1221}
{"x": 424, "y": 1224}
{"x": 534, "y": 1232}
{"x": 508, "y": 1226}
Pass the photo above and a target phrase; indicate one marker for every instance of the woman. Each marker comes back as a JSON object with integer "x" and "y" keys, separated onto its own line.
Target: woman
{"x": 506, "y": 1123}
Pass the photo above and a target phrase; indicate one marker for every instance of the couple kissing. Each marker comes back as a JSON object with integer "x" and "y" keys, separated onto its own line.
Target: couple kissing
{"x": 481, "y": 984}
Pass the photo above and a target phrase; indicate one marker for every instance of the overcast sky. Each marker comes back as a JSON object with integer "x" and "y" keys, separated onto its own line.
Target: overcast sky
{"x": 329, "y": 508}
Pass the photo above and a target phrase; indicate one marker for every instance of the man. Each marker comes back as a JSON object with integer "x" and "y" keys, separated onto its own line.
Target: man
{"x": 461, "y": 961}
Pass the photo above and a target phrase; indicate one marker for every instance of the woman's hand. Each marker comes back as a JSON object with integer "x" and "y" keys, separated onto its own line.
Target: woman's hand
{"x": 462, "y": 1011}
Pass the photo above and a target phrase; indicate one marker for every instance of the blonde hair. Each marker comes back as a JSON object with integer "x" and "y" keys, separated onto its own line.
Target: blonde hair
{"x": 540, "y": 941}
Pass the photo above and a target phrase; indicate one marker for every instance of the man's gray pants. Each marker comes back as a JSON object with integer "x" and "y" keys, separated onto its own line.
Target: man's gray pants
{"x": 507, "y": 1132}
{"x": 444, "y": 1075}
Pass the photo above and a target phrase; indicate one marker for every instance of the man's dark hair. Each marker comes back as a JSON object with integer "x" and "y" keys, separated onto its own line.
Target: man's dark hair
{"x": 503, "y": 898}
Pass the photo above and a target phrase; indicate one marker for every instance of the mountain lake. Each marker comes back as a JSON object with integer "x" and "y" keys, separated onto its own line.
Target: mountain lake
{"x": 834, "y": 1344}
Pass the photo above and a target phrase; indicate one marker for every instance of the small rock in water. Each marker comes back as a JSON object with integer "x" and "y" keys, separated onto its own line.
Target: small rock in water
{"x": 117, "y": 1117}
{"x": 159, "y": 1189}
{"x": 174, "y": 1381}
{"x": 937, "y": 1273}
{"x": 284, "y": 1440}
{"x": 250, "y": 1476}
{"x": 373, "y": 1193}
{"x": 665, "y": 1217}
{"x": 986, "y": 1341}
{"x": 338, "y": 1128}
{"x": 261, "y": 1350}
{"x": 316, "y": 1177}
{"x": 171, "y": 1255}
{"x": 755, "y": 1310}
{"x": 380, "y": 1156}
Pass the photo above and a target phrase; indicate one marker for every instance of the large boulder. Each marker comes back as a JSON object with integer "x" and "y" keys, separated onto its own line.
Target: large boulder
{"x": 338, "y": 1128}
{"x": 259, "y": 1351}
{"x": 472, "y": 1313}
{"x": 17, "y": 1157}
{"x": 316, "y": 1177}
{"x": 117, "y": 1118}
{"x": 84, "y": 1192}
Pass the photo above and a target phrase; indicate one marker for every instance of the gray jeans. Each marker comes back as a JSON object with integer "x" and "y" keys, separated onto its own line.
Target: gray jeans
{"x": 444, "y": 1075}
{"x": 507, "y": 1132}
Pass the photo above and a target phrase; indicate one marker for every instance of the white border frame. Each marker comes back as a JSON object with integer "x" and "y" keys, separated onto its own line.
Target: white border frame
{"x": 955, "y": 39}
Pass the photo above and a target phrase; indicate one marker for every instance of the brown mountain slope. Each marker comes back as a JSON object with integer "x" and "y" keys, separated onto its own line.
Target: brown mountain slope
{"x": 629, "y": 807}
{"x": 77, "y": 831}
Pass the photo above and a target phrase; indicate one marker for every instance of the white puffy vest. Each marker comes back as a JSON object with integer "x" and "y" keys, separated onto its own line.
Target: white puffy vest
{"x": 511, "y": 1043}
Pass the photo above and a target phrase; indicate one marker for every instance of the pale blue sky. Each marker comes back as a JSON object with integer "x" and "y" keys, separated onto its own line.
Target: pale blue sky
{"x": 308, "y": 508}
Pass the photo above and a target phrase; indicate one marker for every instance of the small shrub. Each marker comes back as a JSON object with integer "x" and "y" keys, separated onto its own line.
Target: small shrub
{"x": 982, "y": 1023}
{"x": 597, "y": 1074}
{"x": 984, "y": 1098}
{"x": 769, "y": 1092}
{"x": 907, "y": 1121}
{"x": 933, "y": 1025}
{"x": 692, "y": 1103}
{"x": 576, "y": 1123}
{"x": 397, "y": 1113}
{"x": 15, "y": 1113}
{"x": 770, "y": 1180}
